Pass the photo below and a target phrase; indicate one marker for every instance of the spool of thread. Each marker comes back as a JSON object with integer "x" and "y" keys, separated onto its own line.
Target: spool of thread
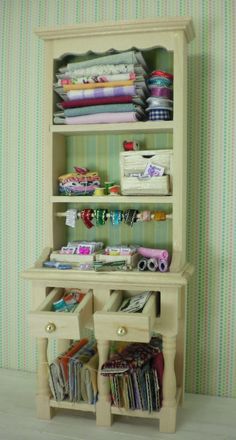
{"x": 130, "y": 145}
{"x": 152, "y": 264}
{"x": 163, "y": 265}
{"x": 99, "y": 192}
{"x": 142, "y": 264}
{"x": 114, "y": 190}
{"x": 107, "y": 186}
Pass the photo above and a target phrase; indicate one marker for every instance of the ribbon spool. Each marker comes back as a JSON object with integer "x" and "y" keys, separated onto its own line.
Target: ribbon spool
{"x": 142, "y": 264}
{"x": 152, "y": 264}
{"x": 163, "y": 265}
{"x": 130, "y": 145}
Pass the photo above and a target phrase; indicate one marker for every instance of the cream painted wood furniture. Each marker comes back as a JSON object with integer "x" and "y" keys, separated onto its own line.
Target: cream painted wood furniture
{"x": 106, "y": 289}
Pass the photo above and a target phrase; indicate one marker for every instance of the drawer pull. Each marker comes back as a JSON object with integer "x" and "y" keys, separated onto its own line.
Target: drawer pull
{"x": 121, "y": 331}
{"x": 50, "y": 327}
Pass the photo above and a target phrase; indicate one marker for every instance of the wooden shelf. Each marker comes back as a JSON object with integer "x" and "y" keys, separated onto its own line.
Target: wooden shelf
{"x": 135, "y": 127}
{"x": 147, "y": 280}
{"x": 78, "y": 406}
{"x": 107, "y": 200}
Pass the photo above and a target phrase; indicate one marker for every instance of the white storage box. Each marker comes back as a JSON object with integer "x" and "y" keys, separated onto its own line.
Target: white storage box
{"x": 136, "y": 162}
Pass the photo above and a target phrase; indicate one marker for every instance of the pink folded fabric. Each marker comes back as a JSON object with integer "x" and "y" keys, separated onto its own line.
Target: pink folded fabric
{"x": 102, "y": 118}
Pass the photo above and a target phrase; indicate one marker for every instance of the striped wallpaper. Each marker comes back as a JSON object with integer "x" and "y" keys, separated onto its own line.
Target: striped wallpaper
{"x": 211, "y": 326}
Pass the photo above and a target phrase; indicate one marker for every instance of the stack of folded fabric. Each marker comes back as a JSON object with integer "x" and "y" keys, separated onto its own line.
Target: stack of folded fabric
{"x": 73, "y": 375}
{"x": 135, "y": 374}
{"x": 160, "y": 103}
{"x": 106, "y": 89}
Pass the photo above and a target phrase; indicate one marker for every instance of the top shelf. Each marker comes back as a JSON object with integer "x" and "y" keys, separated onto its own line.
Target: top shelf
{"x": 136, "y": 127}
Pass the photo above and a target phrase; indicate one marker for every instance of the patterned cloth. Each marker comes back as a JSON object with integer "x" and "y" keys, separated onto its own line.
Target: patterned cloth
{"x": 95, "y": 101}
{"x": 100, "y": 93}
{"x": 160, "y": 114}
{"x": 100, "y": 118}
{"x": 135, "y": 376}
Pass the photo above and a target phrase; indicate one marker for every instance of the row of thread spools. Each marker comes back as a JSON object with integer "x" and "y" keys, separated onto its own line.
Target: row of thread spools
{"x": 160, "y": 103}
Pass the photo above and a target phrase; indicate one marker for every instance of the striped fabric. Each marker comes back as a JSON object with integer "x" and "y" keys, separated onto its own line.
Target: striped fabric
{"x": 211, "y": 336}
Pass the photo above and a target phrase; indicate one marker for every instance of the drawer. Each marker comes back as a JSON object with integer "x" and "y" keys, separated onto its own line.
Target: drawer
{"x": 124, "y": 326}
{"x": 46, "y": 323}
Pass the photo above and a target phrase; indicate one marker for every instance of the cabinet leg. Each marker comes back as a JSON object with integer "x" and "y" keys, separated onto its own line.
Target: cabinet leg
{"x": 168, "y": 420}
{"x": 44, "y": 411}
{"x": 103, "y": 406}
{"x": 169, "y": 404}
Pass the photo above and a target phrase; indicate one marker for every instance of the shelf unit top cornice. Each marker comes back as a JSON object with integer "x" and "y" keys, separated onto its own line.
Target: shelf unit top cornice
{"x": 136, "y": 127}
{"x": 116, "y": 28}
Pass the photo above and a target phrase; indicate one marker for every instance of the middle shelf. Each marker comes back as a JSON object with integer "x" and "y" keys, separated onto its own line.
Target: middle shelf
{"x": 112, "y": 199}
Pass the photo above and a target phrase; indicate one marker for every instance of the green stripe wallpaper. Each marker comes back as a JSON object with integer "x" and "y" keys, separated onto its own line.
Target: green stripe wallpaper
{"x": 211, "y": 327}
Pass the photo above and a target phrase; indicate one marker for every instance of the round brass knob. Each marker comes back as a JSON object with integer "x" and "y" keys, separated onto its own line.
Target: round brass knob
{"x": 50, "y": 327}
{"x": 121, "y": 331}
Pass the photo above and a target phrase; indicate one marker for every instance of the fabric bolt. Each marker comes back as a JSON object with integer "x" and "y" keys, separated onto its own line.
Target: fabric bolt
{"x": 103, "y": 118}
{"x": 68, "y": 87}
{"x": 160, "y": 115}
{"x": 164, "y": 92}
{"x": 95, "y": 101}
{"x": 154, "y": 102}
{"x": 93, "y": 109}
{"x": 100, "y": 93}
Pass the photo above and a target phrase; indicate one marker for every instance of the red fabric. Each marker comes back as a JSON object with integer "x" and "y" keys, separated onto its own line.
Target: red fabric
{"x": 64, "y": 359}
{"x": 96, "y": 101}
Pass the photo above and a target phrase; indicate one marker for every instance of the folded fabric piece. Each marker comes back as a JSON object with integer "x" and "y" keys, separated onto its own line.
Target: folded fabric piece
{"x": 89, "y": 389}
{"x": 93, "y": 109}
{"x": 97, "y": 79}
{"x": 130, "y": 57}
{"x": 100, "y": 93}
{"x": 68, "y": 87}
{"x": 133, "y": 356}
{"x": 75, "y": 365}
{"x": 99, "y": 69}
{"x": 95, "y": 101}
{"x": 103, "y": 118}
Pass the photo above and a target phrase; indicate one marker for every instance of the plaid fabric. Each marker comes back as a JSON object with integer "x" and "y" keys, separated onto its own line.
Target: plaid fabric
{"x": 160, "y": 114}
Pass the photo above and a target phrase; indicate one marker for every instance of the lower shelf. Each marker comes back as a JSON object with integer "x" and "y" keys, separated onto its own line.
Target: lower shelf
{"x": 78, "y": 406}
{"x": 81, "y": 406}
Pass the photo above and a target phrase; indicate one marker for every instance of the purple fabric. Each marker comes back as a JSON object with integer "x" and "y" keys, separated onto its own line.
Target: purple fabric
{"x": 102, "y": 118}
{"x": 100, "y": 93}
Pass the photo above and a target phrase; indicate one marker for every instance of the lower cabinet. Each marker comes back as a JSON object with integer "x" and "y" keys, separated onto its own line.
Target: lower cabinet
{"x": 163, "y": 315}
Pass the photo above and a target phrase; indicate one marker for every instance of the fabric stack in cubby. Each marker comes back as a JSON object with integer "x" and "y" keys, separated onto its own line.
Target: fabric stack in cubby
{"x": 107, "y": 89}
{"x": 160, "y": 104}
{"x": 73, "y": 374}
{"x": 135, "y": 373}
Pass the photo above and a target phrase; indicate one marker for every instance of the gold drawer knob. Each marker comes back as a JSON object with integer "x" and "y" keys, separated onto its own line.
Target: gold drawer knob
{"x": 50, "y": 327}
{"x": 121, "y": 331}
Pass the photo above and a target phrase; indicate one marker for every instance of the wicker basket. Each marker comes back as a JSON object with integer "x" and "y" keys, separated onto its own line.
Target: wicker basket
{"x": 135, "y": 162}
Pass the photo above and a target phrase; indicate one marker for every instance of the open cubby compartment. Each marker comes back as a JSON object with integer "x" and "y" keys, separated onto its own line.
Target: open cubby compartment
{"x": 151, "y": 59}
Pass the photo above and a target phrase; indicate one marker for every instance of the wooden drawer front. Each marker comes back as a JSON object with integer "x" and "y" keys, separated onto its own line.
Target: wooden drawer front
{"x": 65, "y": 325}
{"x": 124, "y": 326}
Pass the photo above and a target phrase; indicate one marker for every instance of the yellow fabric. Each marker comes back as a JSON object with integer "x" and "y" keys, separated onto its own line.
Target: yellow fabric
{"x": 68, "y": 87}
